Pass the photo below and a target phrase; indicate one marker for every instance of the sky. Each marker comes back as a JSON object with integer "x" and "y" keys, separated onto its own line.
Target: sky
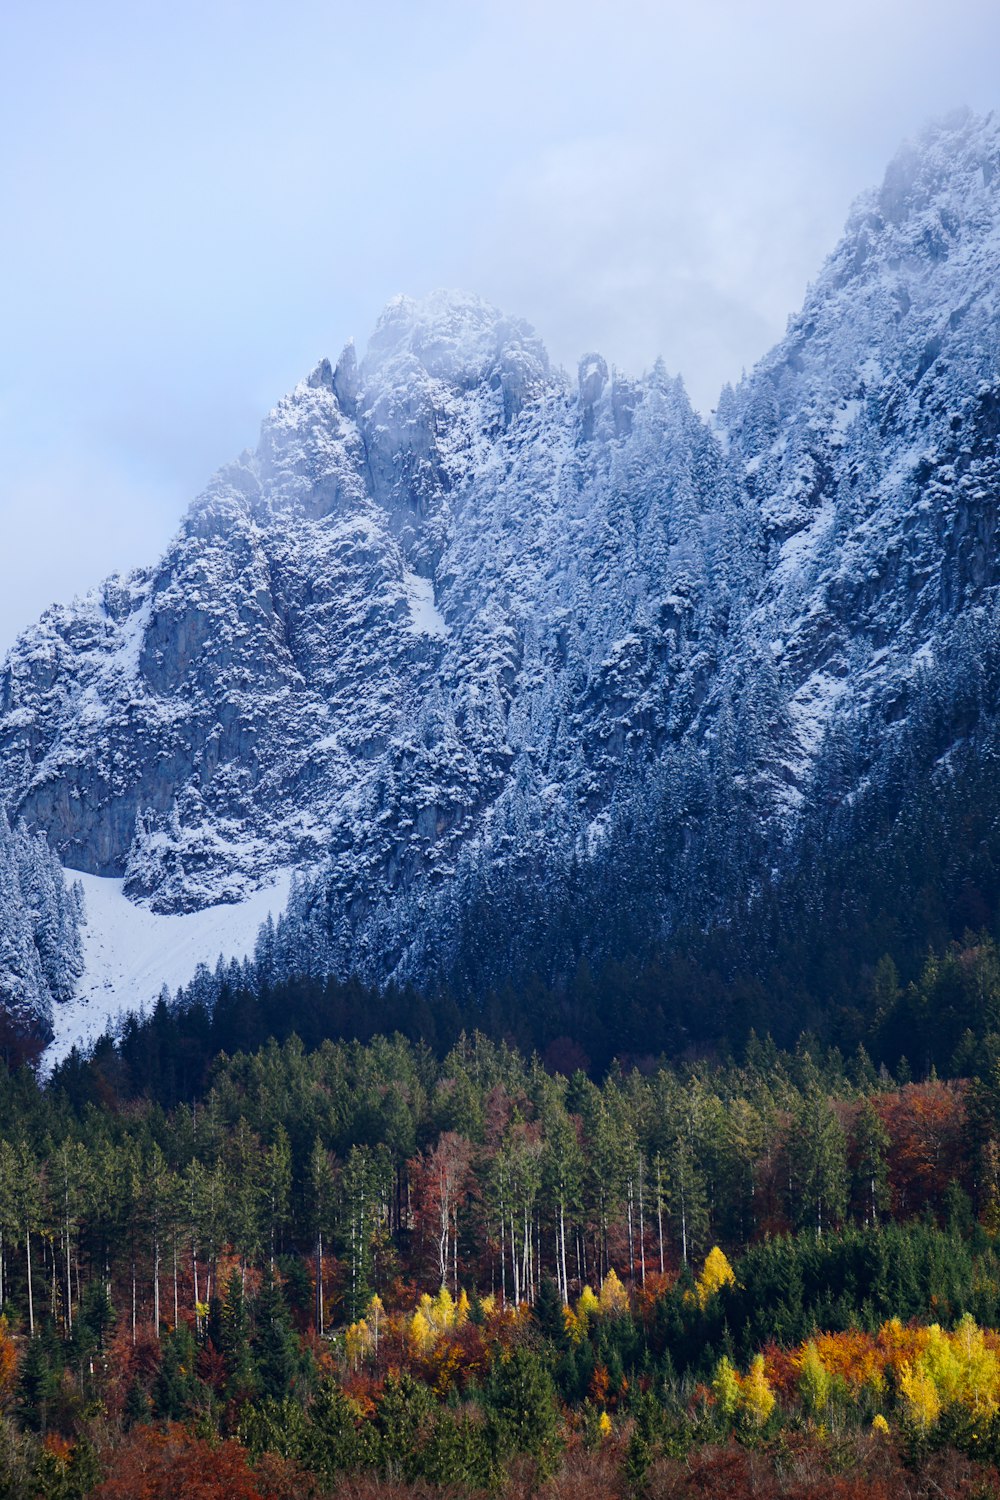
{"x": 201, "y": 200}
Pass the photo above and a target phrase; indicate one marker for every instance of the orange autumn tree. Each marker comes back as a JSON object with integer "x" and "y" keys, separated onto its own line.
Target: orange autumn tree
{"x": 925, "y": 1123}
{"x": 165, "y": 1464}
{"x": 8, "y": 1364}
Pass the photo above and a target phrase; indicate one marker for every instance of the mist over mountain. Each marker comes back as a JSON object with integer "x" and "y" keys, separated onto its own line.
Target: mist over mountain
{"x": 515, "y": 669}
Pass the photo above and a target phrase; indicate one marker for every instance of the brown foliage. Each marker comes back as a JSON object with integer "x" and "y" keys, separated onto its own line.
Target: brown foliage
{"x": 127, "y": 1362}
{"x": 926, "y": 1125}
{"x": 282, "y": 1479}
{"x": 857, "y": 1467}
{"x": 162, "y": 1464}
{"x": 369, "y": 1486}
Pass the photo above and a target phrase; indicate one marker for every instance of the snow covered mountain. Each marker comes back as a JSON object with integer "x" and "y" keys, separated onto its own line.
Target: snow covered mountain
{"x": 868, "y": 440}
{"x": 456, "y": 604}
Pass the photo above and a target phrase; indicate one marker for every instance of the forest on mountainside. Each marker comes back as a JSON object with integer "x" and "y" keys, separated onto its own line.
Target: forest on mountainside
{"x": 877, "y": 928}
{"x": 366, "y": 1269}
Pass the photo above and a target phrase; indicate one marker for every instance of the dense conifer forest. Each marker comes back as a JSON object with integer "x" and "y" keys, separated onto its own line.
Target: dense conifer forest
{"x": 289, "y": 1235}
{"x": 610, "y": 1106}
{"x": 340, "y": 1267}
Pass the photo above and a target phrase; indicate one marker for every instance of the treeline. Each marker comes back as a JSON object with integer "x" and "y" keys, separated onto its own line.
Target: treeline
{"x": 944, "y": 1018}
{"x": 700, "y": 913}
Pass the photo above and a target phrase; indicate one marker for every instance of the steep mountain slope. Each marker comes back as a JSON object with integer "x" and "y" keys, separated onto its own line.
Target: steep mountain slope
{"x": 456, "y": 616}
{"x": 438, "y": 574}
{"x": 869, "y": 443}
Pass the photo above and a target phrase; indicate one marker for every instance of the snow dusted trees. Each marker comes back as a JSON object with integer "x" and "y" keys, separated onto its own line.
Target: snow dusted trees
{"x": 40, "y": 917}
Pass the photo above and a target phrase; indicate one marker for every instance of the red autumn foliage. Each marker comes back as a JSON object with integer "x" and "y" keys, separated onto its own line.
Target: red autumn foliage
{"x": 926, "y": 1124}
{"x": 8, "y": 1363}
{"x": 212, "y": 1366}
{"x": 127, "y": 1362}
{"x": 163, "y": 1464}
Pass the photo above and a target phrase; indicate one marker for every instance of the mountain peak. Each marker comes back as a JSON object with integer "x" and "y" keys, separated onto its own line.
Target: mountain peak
{"x": 446, "y": 612}
{"x": 454, "y": 336}
{"x": 956, "y": 156}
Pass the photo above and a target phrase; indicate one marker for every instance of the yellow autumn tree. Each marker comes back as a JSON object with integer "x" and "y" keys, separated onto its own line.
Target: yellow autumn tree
{"x": 421, "y": 1334}
{"x": 980, "y": 1368}
{"x": 442, "y": 1311}
{"x": 726, "y": 1387}
{"x": 575, "y": 1329}
{"x": 715, "y": 1274}
{"x": 757, "y": 1399}
{"x": 814, "y": 1381}
{"x": 614, "y": 1297}
{"x": 376, "y": 1312}
{"x": 921, "y": 1401}
{"x": 587, "y": 1305}
{"x": 939, "y": 1361}
{"x": 356, "y": 1341}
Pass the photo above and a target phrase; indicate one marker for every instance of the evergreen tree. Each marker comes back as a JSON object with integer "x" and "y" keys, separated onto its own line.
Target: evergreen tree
{"x": 274, "y": 1346}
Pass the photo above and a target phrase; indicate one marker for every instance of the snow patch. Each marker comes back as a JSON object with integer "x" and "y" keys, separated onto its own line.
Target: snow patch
{"x": 425, "y": 617}
{"x": 804, "y": 546}
{"x": 843, "y": 418}
{"x": 130, "y": 953}
{"x": 812, "y": 707}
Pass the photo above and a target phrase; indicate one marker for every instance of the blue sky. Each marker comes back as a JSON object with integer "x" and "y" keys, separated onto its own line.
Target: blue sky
{"x": 200, "y": 200}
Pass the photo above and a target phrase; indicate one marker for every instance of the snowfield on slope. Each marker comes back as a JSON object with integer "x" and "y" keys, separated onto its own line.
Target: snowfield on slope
{"x": 130, "y": 953}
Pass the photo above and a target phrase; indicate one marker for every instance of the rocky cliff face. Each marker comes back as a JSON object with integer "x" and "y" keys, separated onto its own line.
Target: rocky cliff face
{"x": 455, "y": 600}
{"x": 442, "y": 573}
{"x": 868, "y": 444}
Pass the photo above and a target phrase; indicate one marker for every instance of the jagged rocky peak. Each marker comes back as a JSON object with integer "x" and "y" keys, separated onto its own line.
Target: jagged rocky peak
{"x": 455, "y": 604}
{"x": 868, "y": 441}
{"x": 955, "y": 158}
{"x": 346, "y": 381}
{"x": 455, "y": 337}
{"x": 363, "y": 622}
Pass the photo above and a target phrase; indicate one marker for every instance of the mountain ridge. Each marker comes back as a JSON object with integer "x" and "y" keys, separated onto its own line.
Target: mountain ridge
{"x": 453, "y": 607}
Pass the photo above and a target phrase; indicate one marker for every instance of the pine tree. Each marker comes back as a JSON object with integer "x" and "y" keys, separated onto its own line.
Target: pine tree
{"x": 234, "y": 1342}
{"x": 521, "y": 1407}
{"x": 818, "y": 1158}
{"x": 274, "y": 1346}
{"x": 871, "y": 1173}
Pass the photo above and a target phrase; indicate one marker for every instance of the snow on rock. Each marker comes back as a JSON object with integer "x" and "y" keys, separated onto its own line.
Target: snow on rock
{"x": 425, "y": 617}
{"x": 454, "y": 601}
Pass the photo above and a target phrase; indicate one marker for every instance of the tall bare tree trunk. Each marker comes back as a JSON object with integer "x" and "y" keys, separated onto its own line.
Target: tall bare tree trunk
{"x": 156, "y": 1285}
{"x": 31, "y": 1300}
{"x": 319, "y": 1282}
{"x": 659, "y": 1211}
{"x": 69, "y": 1283}
{"x": 642, "y": 1230}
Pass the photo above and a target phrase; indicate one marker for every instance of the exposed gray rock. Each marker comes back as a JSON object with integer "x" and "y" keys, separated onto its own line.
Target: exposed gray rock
{"x": 453, "y": 600}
